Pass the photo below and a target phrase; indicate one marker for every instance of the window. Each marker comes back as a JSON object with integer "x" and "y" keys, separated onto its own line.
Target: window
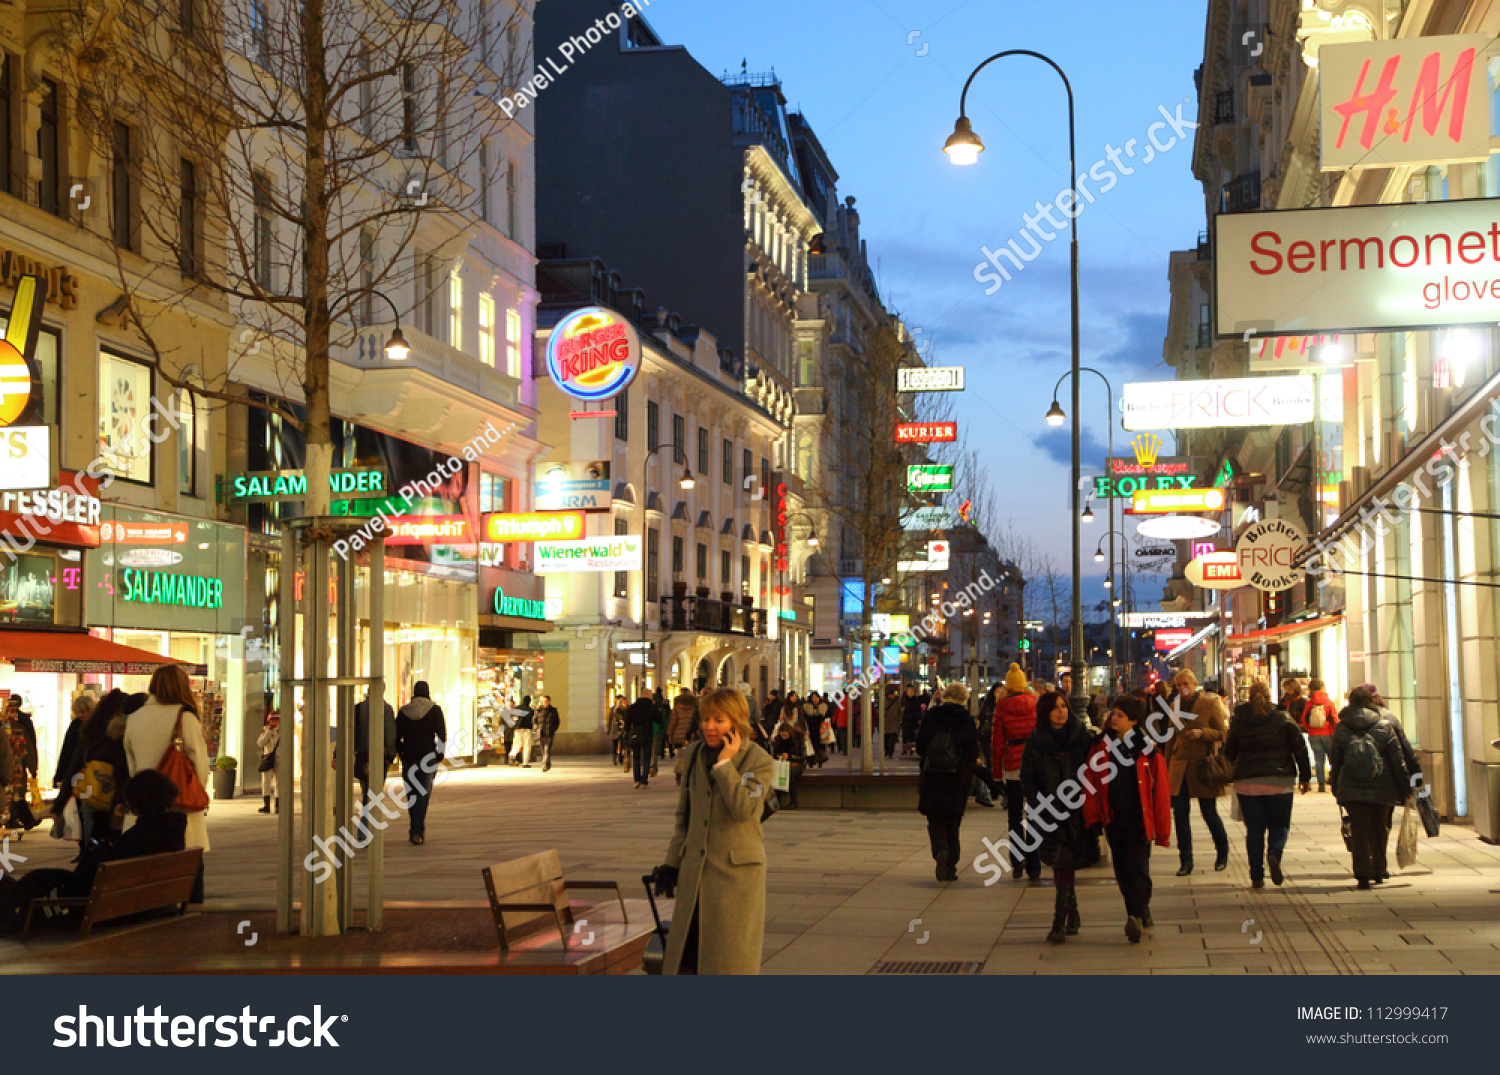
{"x": 622, "y": 578}
{"x": 48, "y": 148}
{"x": 728, "y": 461}
{"x": 805, "y": 368}
{"x": 745, "y": 576}
{"x": 494, "y": 492}
{"x": 455, "y": 309}
{"x": 703, "y": 463}
{"x": 512, "y": 221}
{"x": 187, "y": 17}
{"x": 653, "y": 417}
{"x": 409, "y": 107}
{"x": 5, "y": 124}
{"x": 749, "y": 468}
{"x": 513, "y": 343}
{"x": 482, "y": 18}
{"x": 440, "y": 121}
{"x": 513, "y": 60}
{"x": 726, "y": 583}
{"x": 765, "y": 476}
{"x": 260, "y": 34}
{"x": 702, "y": 564}
{"x": 367, "y": 277}
{"x": 679, "y": 435}
{"x": 653, "y": 565}
{"x": 124, "y": 405}
{"x": 676, "y": 557}
{"x": 484, "y": 181}
{"x": 260, "y": 235}
{"x": 431, "y": 297}
{"x": 187, "y": 218}
{"x": 487, "y": 328}
{"x": 187, "y": 443}
{"x": 365, "y": 73}
{"x": 622, "y": 415}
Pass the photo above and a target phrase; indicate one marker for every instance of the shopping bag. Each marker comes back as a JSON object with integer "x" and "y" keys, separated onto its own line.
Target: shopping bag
{"x": 827, "y": 736}
{"x": 782, "y": 781}
{"x": 1431, "y": 823}
{"x": 70, "y": 825}
{"x": 1406, "y": 843}
{"x": 1234, "y": 808}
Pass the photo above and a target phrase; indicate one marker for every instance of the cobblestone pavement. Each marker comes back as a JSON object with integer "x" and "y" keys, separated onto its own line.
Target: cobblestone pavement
{"x": 849, "y": 891}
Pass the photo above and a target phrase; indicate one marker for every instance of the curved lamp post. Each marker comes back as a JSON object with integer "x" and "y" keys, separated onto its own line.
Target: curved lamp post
{"x": 396, "y": 348}
{"x": 685, "y": 482}
{"x": 963, "y": 147}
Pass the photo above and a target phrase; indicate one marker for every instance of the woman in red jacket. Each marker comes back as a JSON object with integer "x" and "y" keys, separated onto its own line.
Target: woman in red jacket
{"x": 1012, "y": 724}
{"x": 1318, "y": 718}
{"x": 1131, "y": 805}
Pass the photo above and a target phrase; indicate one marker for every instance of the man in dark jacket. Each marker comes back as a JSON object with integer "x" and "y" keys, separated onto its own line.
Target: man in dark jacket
{"x": 547, "y": 723}
{"x": 362, "y": 745}
{"x": 421, "y": 735}
{"x": 1369, "y": 775}
{"x": 771, "y": 712}
{"x": 947, "y": 742}
{"x": 640, "y": 730}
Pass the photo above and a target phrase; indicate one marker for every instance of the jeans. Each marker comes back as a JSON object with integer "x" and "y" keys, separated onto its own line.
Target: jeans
{"x": 640, "y": 760}
{"x": 419, "y": 794}
{"x": 544, "y": 747}
{"x": 1130, "y": 850}
{"x": 1369, "y": 829}
{"x": 1319, "y": 746}
{"x": 1265, "y": 814}
{"x": 942, "y": 834}
{"x": 1015, "y": 814}
{"x": 1181, "y": 820}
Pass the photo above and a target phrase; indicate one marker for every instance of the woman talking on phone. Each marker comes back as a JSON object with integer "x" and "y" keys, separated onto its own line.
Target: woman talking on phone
{"x": 716, "y": 853}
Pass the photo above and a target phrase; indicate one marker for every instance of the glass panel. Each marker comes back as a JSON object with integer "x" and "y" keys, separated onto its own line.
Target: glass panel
{"x": 124, "y": 405}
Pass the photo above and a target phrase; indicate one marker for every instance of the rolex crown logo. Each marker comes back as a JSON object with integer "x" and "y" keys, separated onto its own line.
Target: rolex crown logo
{"x": 1147, "y": 446}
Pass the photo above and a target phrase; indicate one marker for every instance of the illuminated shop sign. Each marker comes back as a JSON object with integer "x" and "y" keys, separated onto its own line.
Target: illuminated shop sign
{"x": 1165, "y": 501}
{"x": 124, "y": 532}
{"x": 781, "y": 520}
{"x": 580, "y": 486}
{"x": 1214, "y": 571}
{"x": 929, "y": 478}
{"x": 170, "y": 588}
{"x": 534, "y": 526}
{"x": 292, "y": 484}
{"x": 1267, "y": 554}
{"x": 593, "y": 354}
{"x": 428, "y": 530}
{"x": 62, "y": 285}
{"x": 1170, "y": 640}
{"x": 930, "y": 379}
{"x": 1167, "y": 620}
{"x": 520, "y": 607}
{"x": 59, "y": 516}
{"x": 926, "y": 432}
{"x": 1218, "y": 403}
{"x": 618, "y": 553}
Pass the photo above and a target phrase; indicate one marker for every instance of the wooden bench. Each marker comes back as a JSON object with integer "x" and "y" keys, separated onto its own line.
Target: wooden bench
{"x": 131, "y": 886}
{"x": 529, "y": 898}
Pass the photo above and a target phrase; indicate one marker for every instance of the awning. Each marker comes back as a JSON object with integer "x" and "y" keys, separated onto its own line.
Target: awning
{"x": 80, "y": 653}
{"x": 1285, "y": 631}
{"x": 1196, "y": 640}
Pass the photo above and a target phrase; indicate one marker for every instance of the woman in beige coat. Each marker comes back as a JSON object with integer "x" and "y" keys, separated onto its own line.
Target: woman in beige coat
{"x": 718, "y": 924}
{"x": 1195, "y": 740}
{"x": 148, "y": 733}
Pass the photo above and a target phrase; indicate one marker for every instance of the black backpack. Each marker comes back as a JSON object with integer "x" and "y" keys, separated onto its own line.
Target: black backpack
{"x": 1363, "y": 762}
{"x": 942, "y": 754}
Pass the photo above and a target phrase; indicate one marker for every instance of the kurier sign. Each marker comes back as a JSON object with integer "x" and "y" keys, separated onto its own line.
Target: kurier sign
{"x": 1217, "y": 404}
{"x": 926, "y": 432}
{"x": 1412, "y": 101}
{"x": 1367, "y": 268}
{"x": 593, "y": 354}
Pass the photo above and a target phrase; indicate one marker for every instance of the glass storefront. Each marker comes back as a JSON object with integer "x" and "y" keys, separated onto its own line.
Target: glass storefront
{"x": 505, "y": 676}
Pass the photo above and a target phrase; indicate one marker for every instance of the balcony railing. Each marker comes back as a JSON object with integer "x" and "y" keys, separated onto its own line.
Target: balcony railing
{"x": 686, "y": 612}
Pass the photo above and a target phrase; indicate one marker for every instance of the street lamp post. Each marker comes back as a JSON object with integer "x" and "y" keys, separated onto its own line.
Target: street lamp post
{"x": 963, "y": 147}
{"x": 684, "y": 482}
{"x": 1055, "y": 417}
{"x": 396, "y": 348}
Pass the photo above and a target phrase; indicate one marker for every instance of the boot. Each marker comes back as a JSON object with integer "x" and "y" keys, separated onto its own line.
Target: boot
{"x": 266, "y": 807}
{"x": 1058, "y": 933}
{"x": 1221, "y": 861}
{"x": 1186, "y": 868}
{"x": 1073, "y": 920}
{"x": 1146, "y": 919}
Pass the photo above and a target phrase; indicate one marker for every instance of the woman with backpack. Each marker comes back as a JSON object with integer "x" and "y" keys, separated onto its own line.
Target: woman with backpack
{"x": 1369, "y": 775}
{"x": 1269, "y": 756}
{"x": 1318, "y": 717}
{"x": 947, "y": 743}
{"x": 1058, "y": 748}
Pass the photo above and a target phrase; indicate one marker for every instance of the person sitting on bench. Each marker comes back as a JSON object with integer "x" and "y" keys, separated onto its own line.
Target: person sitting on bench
{"x": 158, "y": 829}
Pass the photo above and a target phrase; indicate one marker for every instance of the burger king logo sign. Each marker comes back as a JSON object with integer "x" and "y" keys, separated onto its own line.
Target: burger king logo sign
{"x": 593, "y": 354}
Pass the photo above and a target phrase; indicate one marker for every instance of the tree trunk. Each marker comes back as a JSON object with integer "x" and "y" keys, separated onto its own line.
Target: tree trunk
{"x": 315, "y": 263}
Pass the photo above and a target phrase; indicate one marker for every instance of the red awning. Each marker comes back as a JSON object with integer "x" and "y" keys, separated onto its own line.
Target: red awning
{"x": 1286, "y": 630}
{"x": 79, "y": 653}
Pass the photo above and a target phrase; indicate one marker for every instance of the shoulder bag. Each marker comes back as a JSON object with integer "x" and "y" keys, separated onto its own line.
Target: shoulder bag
{"x": 178, "y": 767}
{"x": 1215, "y": 770}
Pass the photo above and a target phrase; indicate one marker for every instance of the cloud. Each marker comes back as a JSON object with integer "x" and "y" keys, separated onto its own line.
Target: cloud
{"x": 1058, "y": 444}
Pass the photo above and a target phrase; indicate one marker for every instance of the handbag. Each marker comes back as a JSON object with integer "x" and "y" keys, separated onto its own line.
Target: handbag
{"x": 178, "y": 767}
{"x": 95, "y": 785}
{"x": 267, "y": 762}
{"x": 1432, "y": 824}
{"x": 1345, "y": 830}
{"x": 1215, "y": 770}
{"x": 1406, "y": 842}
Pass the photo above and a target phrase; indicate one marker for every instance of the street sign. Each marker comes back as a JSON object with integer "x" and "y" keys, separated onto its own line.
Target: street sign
{"x": 926, "y": 432}
{"x": 929, "y": 478}
{"x": 930, "y": 379}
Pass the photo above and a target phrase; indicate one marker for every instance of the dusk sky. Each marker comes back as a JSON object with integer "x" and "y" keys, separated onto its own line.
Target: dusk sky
{"x": 883, "y": 107}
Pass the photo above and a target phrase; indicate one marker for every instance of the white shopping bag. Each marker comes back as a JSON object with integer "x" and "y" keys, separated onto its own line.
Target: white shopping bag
{"x": 782, "y": 781}
{"x": 1406, "y": 842}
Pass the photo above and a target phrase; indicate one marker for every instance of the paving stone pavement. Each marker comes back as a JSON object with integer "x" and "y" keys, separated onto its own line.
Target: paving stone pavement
{"x": 848, "y": 890}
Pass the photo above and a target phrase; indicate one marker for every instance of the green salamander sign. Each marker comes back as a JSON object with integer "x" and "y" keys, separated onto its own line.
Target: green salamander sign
{"x": 520, "y": 607}
{"x": 169, "y": 588}
{"x": 292, "y": 484}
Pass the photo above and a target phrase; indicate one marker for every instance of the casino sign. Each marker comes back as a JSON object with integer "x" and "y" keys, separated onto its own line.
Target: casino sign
{"x": 593, "y": 354}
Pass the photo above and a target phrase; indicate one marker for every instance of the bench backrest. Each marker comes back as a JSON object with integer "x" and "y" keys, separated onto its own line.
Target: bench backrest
{"x": 534, "y": 879}
{"x": 148, "y": 883}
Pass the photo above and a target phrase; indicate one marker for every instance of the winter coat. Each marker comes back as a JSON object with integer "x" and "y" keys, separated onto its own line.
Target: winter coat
{"x": 63, "y": 774}
{"x": 268, "y": 740}
{"x": 911, "y": 716}
{"x": 148, "y": 733}
{"x": 813, "y": 717}
{"x": 1015, "y": 718}
{"x": 841, "y": 714}
{"x": 680, "y": 723}
{"x": 1413, "y": 765}
{"x": 1266, "y": 744}
{"x": 1211, "y": 717}
{"x": 770, "y": 713}
{"x": 362, "y": 732}
{"x": 421, "y": 733}
{"x": 525, "y": 718}
{"x": 947, "y": 793}
{"x": 548, "y": 720}
{"x": 721, "y": 859}
{"x": 640, "y": 722}
{"x": 1152, "y": 780}
{"x": 788, "y": 739}
{"x": 1050, "y": 757}
{"x": 100, "y": 741}
{"x": 614, "y": 723}
{"x": 1330, "y": 710}
{"x": 1393, "y": 784}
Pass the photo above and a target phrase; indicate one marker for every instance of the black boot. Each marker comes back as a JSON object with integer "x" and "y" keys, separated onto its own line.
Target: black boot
{"x": 1186, "y": 868}
{"x": 1221, "y": 861}
{"x": 266, "y": 808}
{"x": 1058, "y": 933}
{"x": 1073, "y": 920}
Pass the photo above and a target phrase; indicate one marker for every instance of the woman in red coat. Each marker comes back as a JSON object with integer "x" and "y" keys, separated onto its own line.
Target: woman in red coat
{"x": 1131, "y": 805}
{"x": 1012, "y": 724}
{"x": 1318, "y": 719}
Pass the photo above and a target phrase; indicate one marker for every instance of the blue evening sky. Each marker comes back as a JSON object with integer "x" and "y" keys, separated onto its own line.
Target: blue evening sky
{"x": 879, "y": 81}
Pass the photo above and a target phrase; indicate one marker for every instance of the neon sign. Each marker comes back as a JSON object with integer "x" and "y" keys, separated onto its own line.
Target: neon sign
{"x": 593, "y": 354}
{"x": 534, "y": 526}
{"x": 169, "y": 588}
{"x": 520, "y": 607}
{"x": 781, "y": 519}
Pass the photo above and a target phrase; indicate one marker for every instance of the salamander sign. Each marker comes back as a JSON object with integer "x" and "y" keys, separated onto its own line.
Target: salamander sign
{"x": 1367, "y": 268}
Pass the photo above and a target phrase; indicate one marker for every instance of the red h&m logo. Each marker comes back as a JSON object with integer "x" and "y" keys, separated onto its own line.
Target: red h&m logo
{"x": 1430, "y": 97}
